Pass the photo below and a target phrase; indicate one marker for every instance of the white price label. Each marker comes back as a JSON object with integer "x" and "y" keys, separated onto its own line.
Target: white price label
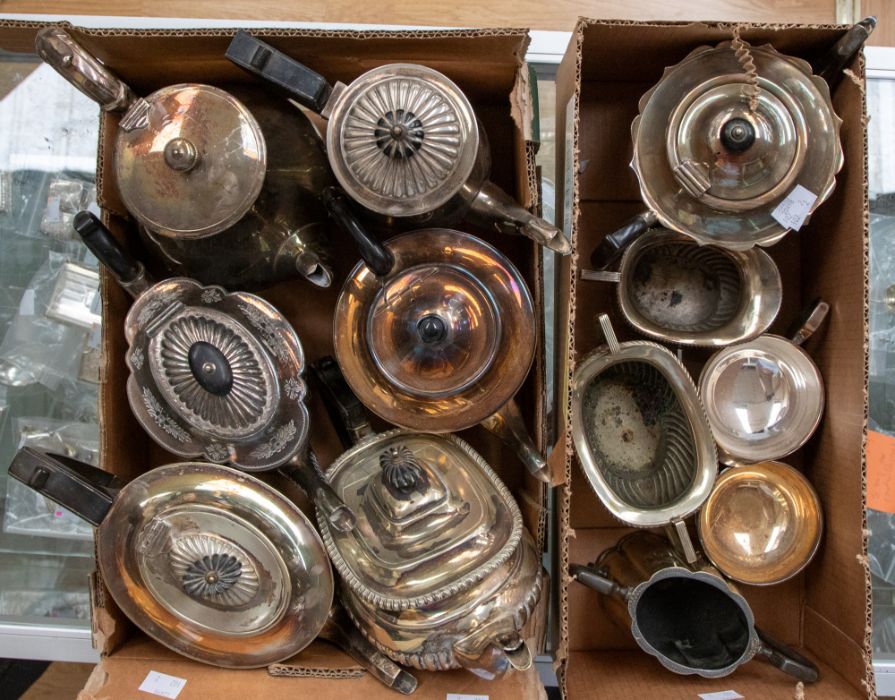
{"x": 162, "y": 684}
{"x": 722, "y": 695}
{"x": 54, "y": 209}
{"x": 793, "y": 210}
{"x": 26, "y": 305}
{"x": 462, "y": 696}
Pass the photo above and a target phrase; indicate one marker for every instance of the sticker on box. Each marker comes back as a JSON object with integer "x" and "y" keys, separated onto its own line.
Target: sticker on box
{"x": 722, "y": 695}
{"x": 793, "y": 210}
{"x": 162, "y": 684}
{"x": 462, "y": 696}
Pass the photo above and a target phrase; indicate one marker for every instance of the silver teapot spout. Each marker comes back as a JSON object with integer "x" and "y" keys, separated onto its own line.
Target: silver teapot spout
{"x": 495, "y": 209}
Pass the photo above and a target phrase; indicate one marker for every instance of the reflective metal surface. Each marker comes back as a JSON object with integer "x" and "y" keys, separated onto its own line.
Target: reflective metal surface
{"x": 478, "y": 628}
{"x": 686, "y": 615}
{"x": 674, "y": 290}
{"x": 261, "y": 421}
{"x": 762, "y": 524}
{"x": 404, "y": 142}
{"x": 201, "y": 172}
{"x": 641, "y": 434}
{"x": 215, "y": 565}
{"x": 444, "y": 341}
{"x": 432, "y": 519}
{"x": 189, "y": 160}
{"x": 726, "y": 136}
{"x": 763, "y": 398}
{"x": 402, "y": 139}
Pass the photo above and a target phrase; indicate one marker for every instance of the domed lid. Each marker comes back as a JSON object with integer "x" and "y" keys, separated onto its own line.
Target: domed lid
{"x": 432, "y": 519}
{"x": 402, "y": 139}
{"x": 217, "y": 375}
{"x": 215, "y": 565}
{"x": 444, "y": 340}
{"x": 727, "y": 135}
{"x": 190, "y": 160}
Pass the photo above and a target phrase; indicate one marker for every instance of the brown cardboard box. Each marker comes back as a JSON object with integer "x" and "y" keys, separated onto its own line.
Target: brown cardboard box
{"x": 488, "y": 65}
{"x": 825, "y": 612}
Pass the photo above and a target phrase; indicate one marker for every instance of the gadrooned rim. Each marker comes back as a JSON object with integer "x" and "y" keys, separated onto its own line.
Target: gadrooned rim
{"x": 369, "y": 595}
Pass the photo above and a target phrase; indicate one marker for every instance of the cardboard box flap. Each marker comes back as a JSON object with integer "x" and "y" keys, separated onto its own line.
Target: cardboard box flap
{"x": 120, "y": 675}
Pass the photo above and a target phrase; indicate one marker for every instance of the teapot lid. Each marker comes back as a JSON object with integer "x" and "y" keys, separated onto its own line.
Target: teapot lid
{"x": 402, "y": 139}
{"x": 190, "y": 160}
{"x": 432, "y": 519}
{"x": 216, "y": 565}
{"x": 445, "y": 340}
{"x": 217, "y": 375}
{"x": 727, "y": 135}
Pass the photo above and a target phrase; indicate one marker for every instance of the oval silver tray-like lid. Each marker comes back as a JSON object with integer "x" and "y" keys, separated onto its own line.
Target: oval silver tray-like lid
{"x": 432, "y": 519}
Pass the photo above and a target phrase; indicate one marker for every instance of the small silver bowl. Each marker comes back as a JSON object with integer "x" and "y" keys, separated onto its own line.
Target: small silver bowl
{"x": 764, "y": 398}
{"x": 675, "y": 290}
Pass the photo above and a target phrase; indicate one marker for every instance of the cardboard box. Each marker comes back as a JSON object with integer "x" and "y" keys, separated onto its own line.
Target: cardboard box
{"x": 825, "y": 611}
{"x": 489, "y": 66}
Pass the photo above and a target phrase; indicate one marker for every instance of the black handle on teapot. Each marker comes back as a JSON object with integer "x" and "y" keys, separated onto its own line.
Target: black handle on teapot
{"x": 377, "y": 257}
{"x": 346, "y": 412}
{"x": 787, "y": 659}
{"x": 831, "y": 65}
{"x": 614, "y": 244}
{"x": 81, "y": 488}
{"x": 259, "y": 58}
{"x": 103, "y": 245}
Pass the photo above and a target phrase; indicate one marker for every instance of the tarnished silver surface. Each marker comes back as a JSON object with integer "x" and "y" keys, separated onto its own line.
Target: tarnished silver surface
{"x": 432, "y": 519}
{"x": 479, "y": 628}
{"x": 402, "y": 139}
{"x": 686, "y": 615}
{"x": 439, "y": 572}
{"x": 641, "y": 433}
{"x": 216, "y": 565}
{"x": 444, "y": 341}
{"x": 674, "y": 290}
{"x": 262, "y": 421}
{"x": 203, "y": 170}
{"x": 725, "y": 137}
{"x": 762, "y": 524}
{"x": 764, "y": 398}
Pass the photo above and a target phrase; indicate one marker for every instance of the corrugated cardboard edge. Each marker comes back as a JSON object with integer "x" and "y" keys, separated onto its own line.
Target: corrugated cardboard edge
{"x": 869, "y": 677}
{"x": 292, "y": 671}
{"x": 574, "y": 52}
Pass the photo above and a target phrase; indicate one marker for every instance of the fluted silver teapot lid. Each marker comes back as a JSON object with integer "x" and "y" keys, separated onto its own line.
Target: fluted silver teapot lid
{"x": 402, "y": 139}
{"x": 215, "y": 374}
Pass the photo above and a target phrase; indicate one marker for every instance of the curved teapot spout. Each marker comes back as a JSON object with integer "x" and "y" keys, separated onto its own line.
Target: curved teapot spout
{"x": 495, "y": 209}
{"x": 507, "y": 424}
{"x": 490, "y": 653}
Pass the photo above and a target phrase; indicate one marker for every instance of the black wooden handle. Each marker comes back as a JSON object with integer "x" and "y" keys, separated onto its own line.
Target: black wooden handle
{"x": 830, "y": 66}
{"x": 85, "y": 490}
{"x": 104, "y": 246}
{"x": 297, "y": 80}
{"x": 377, "y": 257}
{"x": 614, "y": 244}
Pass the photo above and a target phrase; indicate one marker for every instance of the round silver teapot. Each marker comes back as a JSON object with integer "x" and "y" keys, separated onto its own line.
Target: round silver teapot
{"x": 203, "y": 173}
{"x": 403, "y": 142}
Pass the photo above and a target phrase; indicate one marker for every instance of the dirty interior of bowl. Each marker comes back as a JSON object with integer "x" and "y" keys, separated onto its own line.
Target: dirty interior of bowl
{"x": 692, "y": 623}
{"x": 639, "y": 435}
{"x": 685, "y": 287}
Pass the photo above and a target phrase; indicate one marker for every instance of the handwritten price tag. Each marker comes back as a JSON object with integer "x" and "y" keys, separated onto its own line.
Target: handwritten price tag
{"x": 880, "y": 471}
{"x": 793, "y": 210}
{"x": 162, "y": 684}
{"x": 722, "y": 695}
